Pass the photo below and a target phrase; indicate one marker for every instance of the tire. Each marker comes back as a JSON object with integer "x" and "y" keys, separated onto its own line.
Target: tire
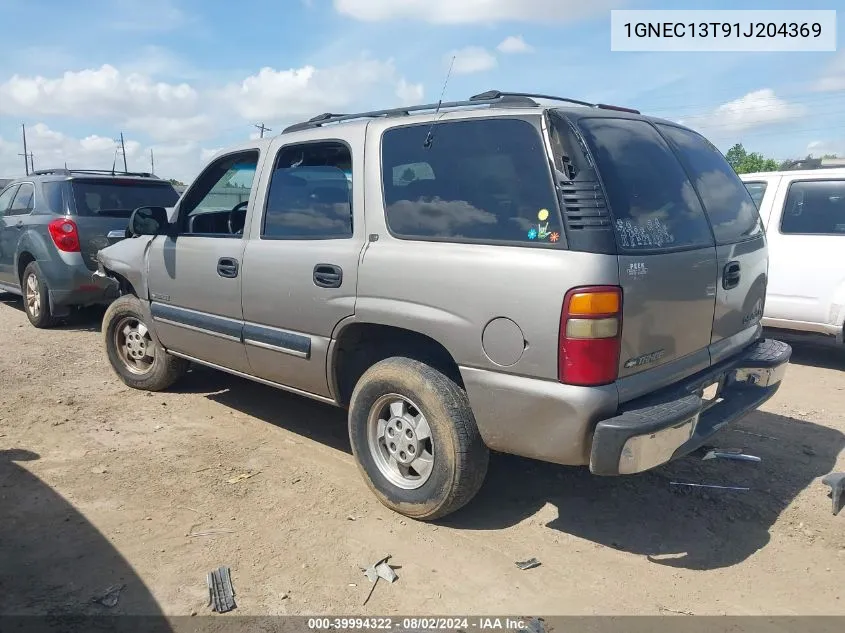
{"x": 129, "y": 346}
{"x": 36, "y": 297}
{"x": 458, "y": 454}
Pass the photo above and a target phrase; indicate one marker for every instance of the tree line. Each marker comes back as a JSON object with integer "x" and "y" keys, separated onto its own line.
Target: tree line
{"x": 745, "y": 162}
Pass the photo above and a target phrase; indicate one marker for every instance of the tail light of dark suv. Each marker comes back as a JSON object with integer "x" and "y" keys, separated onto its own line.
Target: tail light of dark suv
{"x": 590, "y": 336}
{"x": 65, "y": 235}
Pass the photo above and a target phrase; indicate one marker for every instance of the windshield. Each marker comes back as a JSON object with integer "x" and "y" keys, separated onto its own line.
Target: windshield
{"x": 116, "y": 198}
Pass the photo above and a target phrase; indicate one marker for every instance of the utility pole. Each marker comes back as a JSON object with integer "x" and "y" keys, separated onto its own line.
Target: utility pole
{"x": 123, "y": 149}
{"x": 263, "y": 129}
{"x": 29, "y": 162}
{"x": 25, "y": 155}
{"x": 152, "y": 163}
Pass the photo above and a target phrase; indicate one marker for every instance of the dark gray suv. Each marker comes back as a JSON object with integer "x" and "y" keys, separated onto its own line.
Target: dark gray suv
{"x": 52, "y": 223}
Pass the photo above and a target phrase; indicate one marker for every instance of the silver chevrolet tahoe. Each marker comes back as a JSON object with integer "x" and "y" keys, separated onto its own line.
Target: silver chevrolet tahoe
{"x": 571, "y": 282}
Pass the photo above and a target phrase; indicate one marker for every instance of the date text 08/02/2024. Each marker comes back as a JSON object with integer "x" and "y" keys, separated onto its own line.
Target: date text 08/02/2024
{"x": 421, "y": 624}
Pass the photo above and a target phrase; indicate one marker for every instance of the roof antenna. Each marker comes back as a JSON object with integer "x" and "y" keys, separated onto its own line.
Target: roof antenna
{"x": 429, "y": 138}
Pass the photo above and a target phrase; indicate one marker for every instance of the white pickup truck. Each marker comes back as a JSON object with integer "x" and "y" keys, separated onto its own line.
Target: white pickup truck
{"x": 804, "y": 216}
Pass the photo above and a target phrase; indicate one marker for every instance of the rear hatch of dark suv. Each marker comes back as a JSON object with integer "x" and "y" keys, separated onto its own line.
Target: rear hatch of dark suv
{"x": 101, "y": 207}
{"x": 688, "y": 239}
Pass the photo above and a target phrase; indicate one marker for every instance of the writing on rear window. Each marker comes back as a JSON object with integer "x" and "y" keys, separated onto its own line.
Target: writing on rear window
{"x": 652, "y": 233}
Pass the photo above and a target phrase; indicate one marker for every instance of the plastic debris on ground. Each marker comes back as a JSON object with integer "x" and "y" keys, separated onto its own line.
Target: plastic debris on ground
{"x": 240, "y": 478}
{"x": 680, "y": 483}
{"x": 212, "y": 532}
{"x": 376, "y": 571}
{"x": 221, "y": 593}
{"x": 735, "y": 454}
{"x": 110, "y": 597}
{"x": 836, "y": 481}
{"x": 531, "y": 563}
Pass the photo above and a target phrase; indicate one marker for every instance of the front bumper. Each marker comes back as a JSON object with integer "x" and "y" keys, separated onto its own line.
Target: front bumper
{"x": 675, "y": 421}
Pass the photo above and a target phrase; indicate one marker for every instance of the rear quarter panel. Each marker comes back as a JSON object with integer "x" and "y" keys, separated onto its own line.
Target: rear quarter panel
{"x": 36, "y": 241}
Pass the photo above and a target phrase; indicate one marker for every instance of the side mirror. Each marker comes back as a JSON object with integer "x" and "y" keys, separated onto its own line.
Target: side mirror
{"x": 148, "y": 221}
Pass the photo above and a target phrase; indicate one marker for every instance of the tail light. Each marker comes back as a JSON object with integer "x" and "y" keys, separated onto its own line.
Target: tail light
{"x": 65, "y": 235}
{"x": 590, "y": 336}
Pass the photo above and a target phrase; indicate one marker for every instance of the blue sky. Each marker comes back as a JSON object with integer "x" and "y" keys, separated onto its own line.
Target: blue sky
{"x": 187, "y": 77}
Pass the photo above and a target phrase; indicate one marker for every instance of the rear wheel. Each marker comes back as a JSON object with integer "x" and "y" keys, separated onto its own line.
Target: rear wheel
{"x": 139, "y": 360}
{"x": 415, "y": 439}
{"x": 36, "y": 297}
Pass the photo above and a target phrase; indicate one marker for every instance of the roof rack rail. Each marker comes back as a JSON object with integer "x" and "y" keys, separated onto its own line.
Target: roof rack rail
{"x": 63, "y": 171}
{"x": 494, "y": 94}
{"x": 528, "y": 96}
{"x": 489, "y": 98}
{"x": 328, "y": 117}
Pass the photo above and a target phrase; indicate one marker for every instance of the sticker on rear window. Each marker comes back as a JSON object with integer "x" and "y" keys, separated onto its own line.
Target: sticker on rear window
{"x": 541, "y": 231}
{"x": 652, "y": 233}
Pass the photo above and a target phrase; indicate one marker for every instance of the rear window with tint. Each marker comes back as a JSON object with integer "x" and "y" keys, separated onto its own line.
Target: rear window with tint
{"x": 728, "y": 204}
{"x": 114, "y": 198}
{"x": 484, "y": 180}
{"x": 653, "y": 203}
{"x": 815, "y": 207}
{"x": 757, "y": 191}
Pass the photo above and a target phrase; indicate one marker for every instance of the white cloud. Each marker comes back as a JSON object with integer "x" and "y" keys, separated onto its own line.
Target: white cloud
{"x": 206, "y": 154}
{"x": 195, "y": 128}
{"x": 833, "y": 78}
{"x": 822, "y": 148}
{"x": 408, "y": 93}
{"x": 472, "y": 59}
{"x": 514, "y": 44}
{"x": 756, "y": 109}
{"x": 52, "y": 148}
{"x": 283, "y": 95}
{"x": 474, "y": 11}
{"x": 95, "y": 92}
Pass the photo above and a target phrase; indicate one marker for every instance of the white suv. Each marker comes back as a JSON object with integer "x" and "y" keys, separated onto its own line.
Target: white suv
{"x": 804, "y": 215}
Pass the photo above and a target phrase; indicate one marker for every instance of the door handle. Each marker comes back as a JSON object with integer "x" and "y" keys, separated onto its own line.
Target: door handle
{"x": 328, "y": 276}
{"x": 731, "y": 275}
{"x": 227, "y": 267}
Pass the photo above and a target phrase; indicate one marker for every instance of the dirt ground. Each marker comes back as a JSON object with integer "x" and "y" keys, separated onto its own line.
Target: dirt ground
{"x": 101, "y": 485}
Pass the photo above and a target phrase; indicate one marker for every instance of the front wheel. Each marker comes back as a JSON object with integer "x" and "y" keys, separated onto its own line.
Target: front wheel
{"x": 139, "y": 360}
{"x": 415, "y": 439}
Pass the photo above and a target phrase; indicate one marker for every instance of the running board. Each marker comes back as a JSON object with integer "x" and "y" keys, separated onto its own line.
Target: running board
{"x": 269, "y": 383}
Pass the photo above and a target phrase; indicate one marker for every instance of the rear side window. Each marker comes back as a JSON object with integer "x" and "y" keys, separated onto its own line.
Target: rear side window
{"x": 728, "y": 204}
{"x": 54, "y": 195}
{"x": 22, "y": 204}
{"x": 653, "y": 203}
{"x": 757, "y": 190}
{"x": 815, "y": 207}
{"x": 485, "y": 180}
{"x": 119, "y": 198}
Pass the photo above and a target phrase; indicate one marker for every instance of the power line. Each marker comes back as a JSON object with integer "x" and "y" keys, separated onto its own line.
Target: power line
{"x": 263, "y": 129}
